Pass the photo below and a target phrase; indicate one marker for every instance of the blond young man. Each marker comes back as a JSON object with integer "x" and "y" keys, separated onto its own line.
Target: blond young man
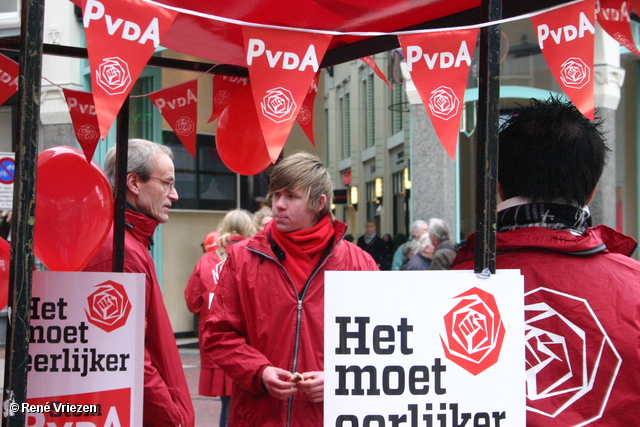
{"x": 266, "y": 325}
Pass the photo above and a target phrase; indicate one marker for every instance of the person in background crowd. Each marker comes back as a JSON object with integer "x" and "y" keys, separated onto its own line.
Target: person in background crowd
{"x": 418, "y": 228}
{"x": 409, "y": 250}
{"x": 266, "y": 325}
{"x": 262, "y": 217}
{"x": 371, "y": 243}
{"x": 5, "y": 225}
{"x": 422, "y": 259}
{"x": 582, "y": 292}
{"x": 388, "y": 249}
{"x": 150, "y": 193}
{"x": 444, "y": 249}
{"x": 199, "y": 293}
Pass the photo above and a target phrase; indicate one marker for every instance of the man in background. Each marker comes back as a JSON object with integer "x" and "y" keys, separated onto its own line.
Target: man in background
{"x": 418, "y": 228}
{"x": 444, "y": 249}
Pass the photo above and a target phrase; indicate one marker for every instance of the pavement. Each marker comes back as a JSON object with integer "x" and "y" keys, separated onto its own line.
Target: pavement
{"x": 207, "y": 409}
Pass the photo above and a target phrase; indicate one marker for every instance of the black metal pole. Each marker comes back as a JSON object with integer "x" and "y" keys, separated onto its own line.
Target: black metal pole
{"x": 22, "y": 259}
{"x": 487, "y": 150}
{"x": 122, "y": 144}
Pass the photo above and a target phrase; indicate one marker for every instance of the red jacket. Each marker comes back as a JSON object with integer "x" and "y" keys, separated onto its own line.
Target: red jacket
{"x": 582, "y": 313}
{"x": 202, "y": 284}
{"x": 258, "y": 320}
{"x": 167, "y": 401}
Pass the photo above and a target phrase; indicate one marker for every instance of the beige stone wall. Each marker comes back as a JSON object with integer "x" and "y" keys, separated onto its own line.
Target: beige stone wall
{"x": 181, "y": 239}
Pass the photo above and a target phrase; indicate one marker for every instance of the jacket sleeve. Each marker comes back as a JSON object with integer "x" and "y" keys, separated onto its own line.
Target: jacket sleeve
{"x": 397, "y": 259}
{"x": 162, "y": 405}
{"x": 225, "y": 337}
{"x": 194, "y": 291}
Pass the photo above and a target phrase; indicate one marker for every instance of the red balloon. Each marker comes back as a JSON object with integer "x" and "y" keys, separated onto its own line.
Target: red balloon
{"x": 74, "y": 209}
{"x": 211, "y": 242}
{"x": 5, "y": 262}
{"x": 239, "y": 137}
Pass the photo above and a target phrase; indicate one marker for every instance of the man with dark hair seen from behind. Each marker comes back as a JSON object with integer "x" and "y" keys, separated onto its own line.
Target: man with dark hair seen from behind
{"x": 582, "y": 289}
{"x": 150, "y": 192}
{"x": 266, "y": 325}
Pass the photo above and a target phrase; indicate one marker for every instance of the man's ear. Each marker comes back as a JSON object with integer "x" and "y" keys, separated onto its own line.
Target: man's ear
{"x": 322, "y": 202}
{"x": 133, "y": 183}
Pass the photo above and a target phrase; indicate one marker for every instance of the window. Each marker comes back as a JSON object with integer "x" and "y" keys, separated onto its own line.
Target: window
{"x": 344, "y": 120}
{"x": 10, "y": 17}
{"x": 204, "y": 182}
{"x": 367, "y": 108}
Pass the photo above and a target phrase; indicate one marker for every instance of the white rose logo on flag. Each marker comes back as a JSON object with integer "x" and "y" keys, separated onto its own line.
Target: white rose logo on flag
{"x": 108, "y": 307}
{"x": 304, "y": 116}
{"x": 87, "y": 134}
{"x": 474, "y": 331}
{"x": 113, "y": 76}
{"x": 222, "y": 98}
{"x": 278, "y": 105}
{"x": 184, "y": 126}
{"x": 575, "y": 73}
{"x": 570, "y": 359}
{"x": 444, "y": 103}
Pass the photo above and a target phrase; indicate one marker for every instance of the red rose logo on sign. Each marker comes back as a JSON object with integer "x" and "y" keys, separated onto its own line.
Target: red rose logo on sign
{"x": 473, "y": 331}
{"x": 87, "y": 134}
{"x": 570, "y": 359}
{"x": 278, "y": 105}
{"x": 575, "y": 73}
{"x": 444, "y": 103}
{"x": 184, "y": 126}
{"x": 108, "y": 307}
{"x": 113, "y": 76}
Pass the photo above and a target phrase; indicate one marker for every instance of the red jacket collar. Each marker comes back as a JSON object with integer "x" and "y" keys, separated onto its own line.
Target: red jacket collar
{"x": 593, "y": 240}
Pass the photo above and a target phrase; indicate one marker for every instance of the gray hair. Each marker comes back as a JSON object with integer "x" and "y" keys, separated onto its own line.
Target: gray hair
{"x": 142, "y": 158}
{"x": 439, "y": 229}
{"x": 424, "y": 242}
{"x": 416, "y": 225}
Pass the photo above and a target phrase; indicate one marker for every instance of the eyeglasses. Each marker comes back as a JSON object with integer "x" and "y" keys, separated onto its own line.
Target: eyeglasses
{"x": 170, "y": 184}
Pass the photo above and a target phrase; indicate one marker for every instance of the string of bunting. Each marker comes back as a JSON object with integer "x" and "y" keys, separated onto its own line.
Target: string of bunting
{"x": 283, "y": 66}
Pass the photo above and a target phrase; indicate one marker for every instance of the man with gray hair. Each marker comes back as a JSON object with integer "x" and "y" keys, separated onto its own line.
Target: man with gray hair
{"x": 444, "y": 248}
{"x": 418, "y": 228}
{"x": 150, "y": 193}
{"x": 421, "y": 260}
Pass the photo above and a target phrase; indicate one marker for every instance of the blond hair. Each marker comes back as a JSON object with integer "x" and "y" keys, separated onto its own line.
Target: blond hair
{"x": 236, "y": 222}
{"x": 303, "y": 171}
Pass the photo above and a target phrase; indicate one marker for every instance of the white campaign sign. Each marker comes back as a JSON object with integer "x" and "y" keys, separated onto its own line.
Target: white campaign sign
{"x": 86, "y": 350}
{"x": 424, "y": 348}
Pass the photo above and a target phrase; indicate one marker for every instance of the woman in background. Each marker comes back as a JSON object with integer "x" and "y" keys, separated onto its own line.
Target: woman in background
{"x": 236, "y": 226}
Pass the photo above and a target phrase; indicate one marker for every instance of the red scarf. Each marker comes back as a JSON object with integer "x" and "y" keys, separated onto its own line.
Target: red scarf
{"x": 303, "y": 249}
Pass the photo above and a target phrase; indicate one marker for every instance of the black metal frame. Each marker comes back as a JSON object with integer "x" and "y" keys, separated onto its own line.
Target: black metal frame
{"x": 31, "y": 50}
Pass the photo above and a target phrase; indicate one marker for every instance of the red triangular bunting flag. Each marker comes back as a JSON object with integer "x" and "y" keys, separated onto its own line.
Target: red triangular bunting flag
{"x": 179, "y": 107}
{"x": 439, "y": 65}
{"x": 614, "y": 16}
{"x": 9, "y": 71}
{"x": 566, "y": 38}
{"x": 121, "y": 37}
{"x": 281, "y": 65}
{"x": 224, "y": 87}
{"x": 84, "y": 119}
{"x": 371, "y": 63}
{"x": 305, "y": 117}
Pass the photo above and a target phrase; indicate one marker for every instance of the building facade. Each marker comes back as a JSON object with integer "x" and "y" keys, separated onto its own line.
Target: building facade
{"x": 376, "y": 134}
